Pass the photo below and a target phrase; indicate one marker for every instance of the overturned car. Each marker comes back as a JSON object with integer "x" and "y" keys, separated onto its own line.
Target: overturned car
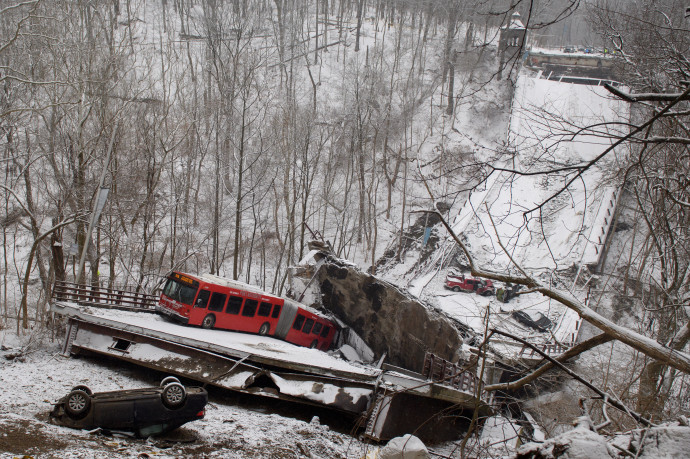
{"x": 143, "y": 412}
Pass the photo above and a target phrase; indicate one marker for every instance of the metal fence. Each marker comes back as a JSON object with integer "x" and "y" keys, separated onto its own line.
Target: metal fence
{"x": 449, "y": 374}
{"x": 94, "y": 295}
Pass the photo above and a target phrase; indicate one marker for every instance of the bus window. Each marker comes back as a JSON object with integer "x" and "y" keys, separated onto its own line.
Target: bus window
{"x": 324, "y": 332}
{"x": 217, "y": 302}
{"x": 264, "y": 309}
{"x": 299, "y": 321}
{"x": 234, "y": 305}
{"x": 167, "y": 290}
{"x": 202, "y": 299}
{"x": 249, "y": 309}
{"x": 307, "y": 326}
{"x": 179, "y": 292}
{"x": 317, "y": 328}
{"x": 276, "y": 311}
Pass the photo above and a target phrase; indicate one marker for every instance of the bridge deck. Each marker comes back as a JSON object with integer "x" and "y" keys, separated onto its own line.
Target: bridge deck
{"x": 260, "y": 365}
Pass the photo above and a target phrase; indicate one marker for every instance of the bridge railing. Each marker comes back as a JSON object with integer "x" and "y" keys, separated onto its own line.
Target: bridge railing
{"x": 451, "y": 374}
{"x": 94, "y": 295}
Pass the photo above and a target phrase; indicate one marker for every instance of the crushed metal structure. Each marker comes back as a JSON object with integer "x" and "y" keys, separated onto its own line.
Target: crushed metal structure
{"x": 391, "y": 401}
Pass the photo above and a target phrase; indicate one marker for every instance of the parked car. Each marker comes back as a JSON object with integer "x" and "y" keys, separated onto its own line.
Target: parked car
{"x": 535, "y": 320}
{"x": 144, "y": 412}
{"x": 459, "y": 282}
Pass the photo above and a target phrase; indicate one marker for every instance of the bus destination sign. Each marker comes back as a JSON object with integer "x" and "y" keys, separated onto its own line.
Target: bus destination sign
{"x": 185, "y": 280}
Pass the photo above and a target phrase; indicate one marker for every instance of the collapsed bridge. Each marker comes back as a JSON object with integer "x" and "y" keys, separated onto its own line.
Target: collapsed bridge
{"x": 389, "y": 400}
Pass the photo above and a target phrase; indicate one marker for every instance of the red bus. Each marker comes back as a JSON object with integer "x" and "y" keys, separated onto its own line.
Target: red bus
{"x": 216, "y": 302}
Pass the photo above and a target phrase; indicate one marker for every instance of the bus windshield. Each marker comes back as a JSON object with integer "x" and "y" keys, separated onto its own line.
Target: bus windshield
{"x": 179, "y": 292}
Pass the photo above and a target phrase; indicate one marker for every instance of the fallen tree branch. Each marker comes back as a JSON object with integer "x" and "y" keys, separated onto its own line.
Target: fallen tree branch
{"x": 569, "y": 354}
{"x": 607, "y": 398}
{"x": 605, "y": 414}
{"x": 672, "y": 357}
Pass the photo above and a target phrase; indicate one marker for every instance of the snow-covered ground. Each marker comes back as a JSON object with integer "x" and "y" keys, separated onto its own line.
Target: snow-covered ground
{"x": 545, "y": 117}
{"x": 234, "y": 427}
{"x": 561, "y": 236}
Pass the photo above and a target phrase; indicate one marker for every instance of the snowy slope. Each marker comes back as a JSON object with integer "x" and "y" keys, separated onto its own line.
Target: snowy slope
{"x": 232, "y": 427}
{"x": 558, "y": 234}
{"x": 562, "y": 235}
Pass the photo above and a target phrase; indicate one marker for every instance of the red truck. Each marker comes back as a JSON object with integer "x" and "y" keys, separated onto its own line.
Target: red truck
{"x": 458, "y": 282}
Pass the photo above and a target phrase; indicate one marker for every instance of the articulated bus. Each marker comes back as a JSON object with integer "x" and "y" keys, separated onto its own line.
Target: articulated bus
{"x": 215, "y": 302}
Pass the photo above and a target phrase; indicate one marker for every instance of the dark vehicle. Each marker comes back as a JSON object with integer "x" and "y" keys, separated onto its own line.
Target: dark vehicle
{"x": 458, "y": 282}
{"x": 508, "y": 292}
{"x": 144, "y": 412}
{"x": 536, "y": 320}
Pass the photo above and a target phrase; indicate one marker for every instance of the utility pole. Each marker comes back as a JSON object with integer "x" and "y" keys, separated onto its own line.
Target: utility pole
{"x": 97, "y": 208}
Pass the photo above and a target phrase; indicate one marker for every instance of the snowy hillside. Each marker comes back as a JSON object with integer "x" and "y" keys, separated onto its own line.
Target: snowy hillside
{"x": 230, "y": 135}
{"x": 563, "y": 235}
{"x": 508, "y": 209}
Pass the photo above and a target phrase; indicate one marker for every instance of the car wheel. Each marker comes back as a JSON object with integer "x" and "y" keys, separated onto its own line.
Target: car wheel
{"x": 264, "y": 329}
{"x": 208, "y": 322}
{"x": 456, "y": 289}
{"x": 168, "y": 379}
{"x": 174, "y": 395}
{"x": 314, "y": 344}
{"x": 84, "y": 388}
{"x": 77, "y": 404}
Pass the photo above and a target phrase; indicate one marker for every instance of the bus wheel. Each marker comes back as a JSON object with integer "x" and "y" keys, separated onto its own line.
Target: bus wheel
{"x": 208, "y": 322}
{"x": 314, "y": 344}
{"x": 264, "y": 329}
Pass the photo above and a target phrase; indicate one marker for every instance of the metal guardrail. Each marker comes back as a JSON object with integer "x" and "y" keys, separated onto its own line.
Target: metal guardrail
{"x": 449, "y": 374}
{"x": 550, "y": 348}
{"x": 94, "y": 295}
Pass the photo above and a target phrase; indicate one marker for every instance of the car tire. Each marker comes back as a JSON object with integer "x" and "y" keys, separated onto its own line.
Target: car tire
{"x": 168, "y": 379}
{"x": 456, "y": 289}
{"x": 265, "y": 327}
{"x": 174, "y": 395}
{"x": 314, "y": 344}
{"x": 84, "y": 388}
{"x": 208, "y": 322}
{"x": 77, "y": 404}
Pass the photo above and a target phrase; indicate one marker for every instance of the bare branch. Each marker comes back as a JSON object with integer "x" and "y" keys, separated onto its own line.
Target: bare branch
{"x": 34, "y": 5}
{"x": 649, "y": 347}
{"x": 653, "y": 97}
{"x": 606, "y": 397}
{"x": 569, "y": 354}
{"x": 683, "y": 96}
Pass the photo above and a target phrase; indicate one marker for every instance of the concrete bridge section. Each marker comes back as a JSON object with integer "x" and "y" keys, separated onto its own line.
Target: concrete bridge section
{"x": 390, "y": 401}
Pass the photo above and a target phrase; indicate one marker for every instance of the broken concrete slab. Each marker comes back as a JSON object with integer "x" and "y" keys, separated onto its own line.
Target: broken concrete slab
{"x": 388, "y": 319}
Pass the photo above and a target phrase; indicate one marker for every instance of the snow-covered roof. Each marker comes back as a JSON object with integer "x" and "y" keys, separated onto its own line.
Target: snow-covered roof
{"x": 238, "y": 285}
